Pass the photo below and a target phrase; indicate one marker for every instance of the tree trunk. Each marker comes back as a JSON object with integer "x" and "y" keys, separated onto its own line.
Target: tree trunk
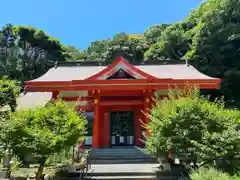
{"x": 40, "y": 168}
{"x": 6, "y": 162}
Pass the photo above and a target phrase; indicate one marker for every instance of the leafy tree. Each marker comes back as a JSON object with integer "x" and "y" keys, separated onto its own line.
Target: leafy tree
{"x": 75, "y": 54}
{"x": 215, "y": 44}
{"x": 27, "y": 52}
{"x": 132, "y": 47}
{"x": 173, "y": 44}
{"x": 124, "y": 45}
{"x": 7, "y": 53}
{"x": 189, "y": 125}
{"x": 40, "y": 43}
{"x": 209, "y": 37}
{"x": 45, "y": 131}
{"x": 153, "y": 33}
{"x": 97, "y": 50}
{"x": 9, "y": 92}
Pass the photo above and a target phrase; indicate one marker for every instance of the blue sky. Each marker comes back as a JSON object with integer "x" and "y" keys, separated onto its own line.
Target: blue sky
{"x": 79, "y": 22}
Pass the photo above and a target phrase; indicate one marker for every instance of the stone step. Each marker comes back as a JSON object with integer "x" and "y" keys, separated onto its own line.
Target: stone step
{"x": 124, "y": 177}
{"x": 119, "y": 149}
{"x": 113, "y": 174}
{"x": 121, "y": 176}
{"x": 115, "y": 178}
{"x": 124, "y": 161}
{"x": 134, "y": 149}
{"x": 126, "y": 171}
{"x": 120, "y": 156}
{"x": 113, "y": 153}
{"x": 137, "y": 178}
{"x": 136, "y": 173}
{"x": 119, "y": 152}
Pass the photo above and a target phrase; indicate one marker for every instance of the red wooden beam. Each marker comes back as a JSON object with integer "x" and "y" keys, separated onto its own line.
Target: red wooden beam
{"x": 121, "y": 103}
{"x": 86, "y": 108}
{"x": 76, "y": 98}
{"x": 123, "y": 82}
{"x": 126, "y": 93}
{"x": 116, "y": 87}
{"x": 124, "y": 108}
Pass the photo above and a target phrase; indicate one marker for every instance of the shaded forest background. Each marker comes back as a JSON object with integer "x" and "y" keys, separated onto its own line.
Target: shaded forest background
{"x": 209, "y": 38}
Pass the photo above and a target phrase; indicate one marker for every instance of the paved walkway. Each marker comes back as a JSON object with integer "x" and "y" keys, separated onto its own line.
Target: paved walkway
{"x": 112, "y": 168}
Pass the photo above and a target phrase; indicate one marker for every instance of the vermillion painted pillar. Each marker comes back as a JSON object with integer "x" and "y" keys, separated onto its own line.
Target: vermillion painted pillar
{"x": 147, "y": 106}
{"x": 106, "y": 129}
{"x": 146, "y": 111}
{"x": 96, "y": 122}
{"x": 55, "y": 95}
{"x": 137, "y": 124}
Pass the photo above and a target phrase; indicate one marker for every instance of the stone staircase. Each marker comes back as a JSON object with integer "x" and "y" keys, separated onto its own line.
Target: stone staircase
{"x": 114, "y": 172}
{"x": 122, "y": 163}
{"x": 133, "y": 172}
{"x": 121, "y": 155}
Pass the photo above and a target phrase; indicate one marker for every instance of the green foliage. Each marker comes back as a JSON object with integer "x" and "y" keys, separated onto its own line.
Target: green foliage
{"x": 15, "y": 163}
{"x": 211, "y": 174}
{"x": 26, "y": 52}
{"x": 122, "y": 44}
{"x": 131, "y": 48}
{"x": 188, "y": 124}
{"x": 97, "y": 50}
{"x": 153, "y": 34}
{"x": 75, "y": 54}
{"x": 40, "y": 43}
{"x": 46, "y": 130}
{"x": 63, "y": 157}
{"x": 214, "y": 47}
{"x": 9, "y": 92}
{"x": 209, "y": 36}
{"x": 173, "y": 44}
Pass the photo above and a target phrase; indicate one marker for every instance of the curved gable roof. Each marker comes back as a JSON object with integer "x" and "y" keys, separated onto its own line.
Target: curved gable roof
{"x": 121, "y": 63}
{"x": 72, "y": 73}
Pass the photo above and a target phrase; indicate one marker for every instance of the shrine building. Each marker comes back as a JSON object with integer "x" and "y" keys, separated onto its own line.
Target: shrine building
{"x": 113, "y": 96}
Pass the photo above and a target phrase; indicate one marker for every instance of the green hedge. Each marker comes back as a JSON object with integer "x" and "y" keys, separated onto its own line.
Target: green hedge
{"x": 211, "y": 174}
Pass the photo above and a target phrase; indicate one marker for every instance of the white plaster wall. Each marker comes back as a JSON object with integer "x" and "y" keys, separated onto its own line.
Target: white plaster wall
{"x": 73, "y": 93}
{"x": 78, "y": 103}
{"x": 164, "y": 92}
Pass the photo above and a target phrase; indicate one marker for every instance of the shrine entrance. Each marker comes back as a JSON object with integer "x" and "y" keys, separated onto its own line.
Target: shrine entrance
{"x": 122, "y": 128}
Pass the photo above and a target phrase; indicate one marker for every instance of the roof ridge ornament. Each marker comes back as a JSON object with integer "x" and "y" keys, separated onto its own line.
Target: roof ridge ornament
{"x": 56, "y": 64}
{"x": 186, "y": 61}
